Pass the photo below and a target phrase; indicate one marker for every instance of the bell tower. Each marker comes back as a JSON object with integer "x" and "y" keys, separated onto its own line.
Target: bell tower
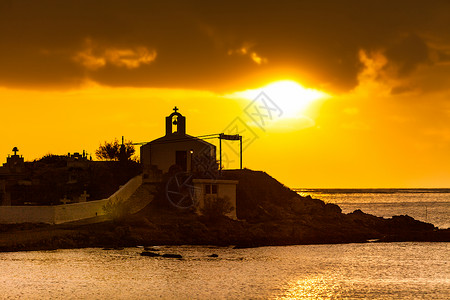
{"x": 175, "y": 123}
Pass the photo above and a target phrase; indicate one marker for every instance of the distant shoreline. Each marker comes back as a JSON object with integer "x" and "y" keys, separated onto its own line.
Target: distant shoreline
{"x": 372, "y": 190}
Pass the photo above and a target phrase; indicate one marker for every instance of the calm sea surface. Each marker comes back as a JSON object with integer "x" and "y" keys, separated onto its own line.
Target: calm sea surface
{"x": 349, "y": 271}
{"x": 352, "y": 271}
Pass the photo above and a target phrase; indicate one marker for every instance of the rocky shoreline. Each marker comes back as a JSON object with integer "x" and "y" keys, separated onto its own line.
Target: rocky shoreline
{"x": 356, "y": 227}
{"x": 271, "y": 215}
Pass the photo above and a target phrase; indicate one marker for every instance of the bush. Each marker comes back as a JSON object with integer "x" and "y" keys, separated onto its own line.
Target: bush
{"x": 115, "y": 151}
{"x": 117, "y": 209}
{"x": 215, "y": 208}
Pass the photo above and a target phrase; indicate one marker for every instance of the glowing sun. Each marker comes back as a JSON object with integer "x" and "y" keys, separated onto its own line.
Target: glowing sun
{"x": 290, "y": 96}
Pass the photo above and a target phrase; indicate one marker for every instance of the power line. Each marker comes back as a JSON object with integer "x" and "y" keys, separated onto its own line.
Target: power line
{"x": 187, "y": 138}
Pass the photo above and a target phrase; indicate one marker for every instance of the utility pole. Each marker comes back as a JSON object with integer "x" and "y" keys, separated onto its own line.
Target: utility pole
{"x": 240, "y": 150}
{"x": 220, "y": 155}
{"x": 230, "y": 137}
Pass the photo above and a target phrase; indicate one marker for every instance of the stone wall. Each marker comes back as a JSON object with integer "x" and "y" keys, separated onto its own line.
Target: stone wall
{"x": 27, "y": 214}
{"x": 67, "y": 212}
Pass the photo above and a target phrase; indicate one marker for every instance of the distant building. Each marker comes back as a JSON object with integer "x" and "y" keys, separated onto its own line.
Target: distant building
{"x": 14, "y": 164}
{"x": 39, "y": 182}
{"x": 77, "y": 160}
{"x": 12, "y": 174}
{"x": 175, "y": 149}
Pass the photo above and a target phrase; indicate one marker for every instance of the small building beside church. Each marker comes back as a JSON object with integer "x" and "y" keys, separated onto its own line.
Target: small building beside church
{"x": 216, "y": 190}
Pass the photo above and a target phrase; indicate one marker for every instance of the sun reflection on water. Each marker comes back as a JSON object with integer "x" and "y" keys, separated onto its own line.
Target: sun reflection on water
{"x": 317, "y": 287}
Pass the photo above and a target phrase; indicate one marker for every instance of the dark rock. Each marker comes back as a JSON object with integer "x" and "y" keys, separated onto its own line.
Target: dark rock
{"x": 150, "y": 254}
{"x": 305, "y": 205}
{"x": 213, "y": 255}
{"x": 407, "y": 223}
{"x": 140, "y": 221}
{"x": 331, "y": 208}
{"x": 122, "y": 231}
{"x": 151, "y": 249}
{"x": 169, "y": 255}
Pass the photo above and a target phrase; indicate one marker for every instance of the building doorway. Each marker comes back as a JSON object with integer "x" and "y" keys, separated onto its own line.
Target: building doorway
{"x": 181, "y": 159}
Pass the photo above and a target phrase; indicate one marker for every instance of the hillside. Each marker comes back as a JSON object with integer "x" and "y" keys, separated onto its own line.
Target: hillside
{"x": 269, "y": 212}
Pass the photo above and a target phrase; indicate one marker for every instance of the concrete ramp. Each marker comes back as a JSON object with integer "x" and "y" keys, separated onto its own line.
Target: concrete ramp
{"x": 141, "y": 197}
{"x": 128, "y": 189}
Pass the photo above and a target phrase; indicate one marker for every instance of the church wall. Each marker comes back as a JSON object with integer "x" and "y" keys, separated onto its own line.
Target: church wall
{"x": 163, "y": 155}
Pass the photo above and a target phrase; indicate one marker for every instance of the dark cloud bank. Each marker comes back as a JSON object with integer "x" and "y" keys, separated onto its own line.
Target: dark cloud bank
{"x": 217, "y": 46}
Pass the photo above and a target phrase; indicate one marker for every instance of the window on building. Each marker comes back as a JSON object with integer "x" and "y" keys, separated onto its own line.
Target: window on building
{"x": 211, "y": 189}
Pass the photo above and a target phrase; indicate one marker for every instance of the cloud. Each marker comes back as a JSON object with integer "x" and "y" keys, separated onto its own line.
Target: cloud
{"x": 94, "y": 57}
{"x": 373, "y": 78}
{"x": 224, "y": 46}
{"x": 257, "y": 59}
{"x": 406, "y": 54}
{"x": 245, "y": 50}
{"x": 401, "y": 89}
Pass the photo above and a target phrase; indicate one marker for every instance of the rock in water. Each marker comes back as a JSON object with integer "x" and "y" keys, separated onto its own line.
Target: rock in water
{"x": 151, "y": 249}
{"x": 168, "y": 255}
{"x": 150, "y": 254}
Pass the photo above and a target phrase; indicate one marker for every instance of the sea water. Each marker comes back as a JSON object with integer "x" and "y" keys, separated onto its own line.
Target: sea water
{"x": 347, "y": 271}
{"x": 428, "y": 205}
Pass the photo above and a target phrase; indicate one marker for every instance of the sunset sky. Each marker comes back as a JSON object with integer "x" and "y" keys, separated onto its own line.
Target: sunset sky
{"x": 361, "y": 88}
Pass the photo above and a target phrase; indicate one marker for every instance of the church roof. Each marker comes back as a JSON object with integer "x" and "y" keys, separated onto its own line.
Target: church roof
{"x": 178, "y": 138}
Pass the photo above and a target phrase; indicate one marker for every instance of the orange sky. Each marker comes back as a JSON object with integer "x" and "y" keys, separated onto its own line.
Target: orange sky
{"x": 74, "y": 74}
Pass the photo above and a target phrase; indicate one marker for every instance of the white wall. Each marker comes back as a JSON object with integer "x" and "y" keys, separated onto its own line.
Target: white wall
{"x": 67, "y": 212}
{"x": 79, "y": 211}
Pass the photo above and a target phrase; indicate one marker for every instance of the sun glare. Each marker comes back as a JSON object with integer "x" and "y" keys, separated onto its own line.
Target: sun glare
{"x": 290, "y": 96}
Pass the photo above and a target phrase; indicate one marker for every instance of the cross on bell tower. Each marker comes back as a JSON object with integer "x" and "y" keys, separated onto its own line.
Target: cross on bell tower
{"x": 15, "y": 150}
{"x": 178, "y": 120}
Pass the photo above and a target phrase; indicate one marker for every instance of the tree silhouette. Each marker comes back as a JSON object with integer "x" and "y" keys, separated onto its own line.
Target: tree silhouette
{"x": 115, "y": 151}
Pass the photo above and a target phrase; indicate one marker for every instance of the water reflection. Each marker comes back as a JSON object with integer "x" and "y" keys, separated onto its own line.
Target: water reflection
{"x": 316, "y": 287}
{"x": 383, "y": 271}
